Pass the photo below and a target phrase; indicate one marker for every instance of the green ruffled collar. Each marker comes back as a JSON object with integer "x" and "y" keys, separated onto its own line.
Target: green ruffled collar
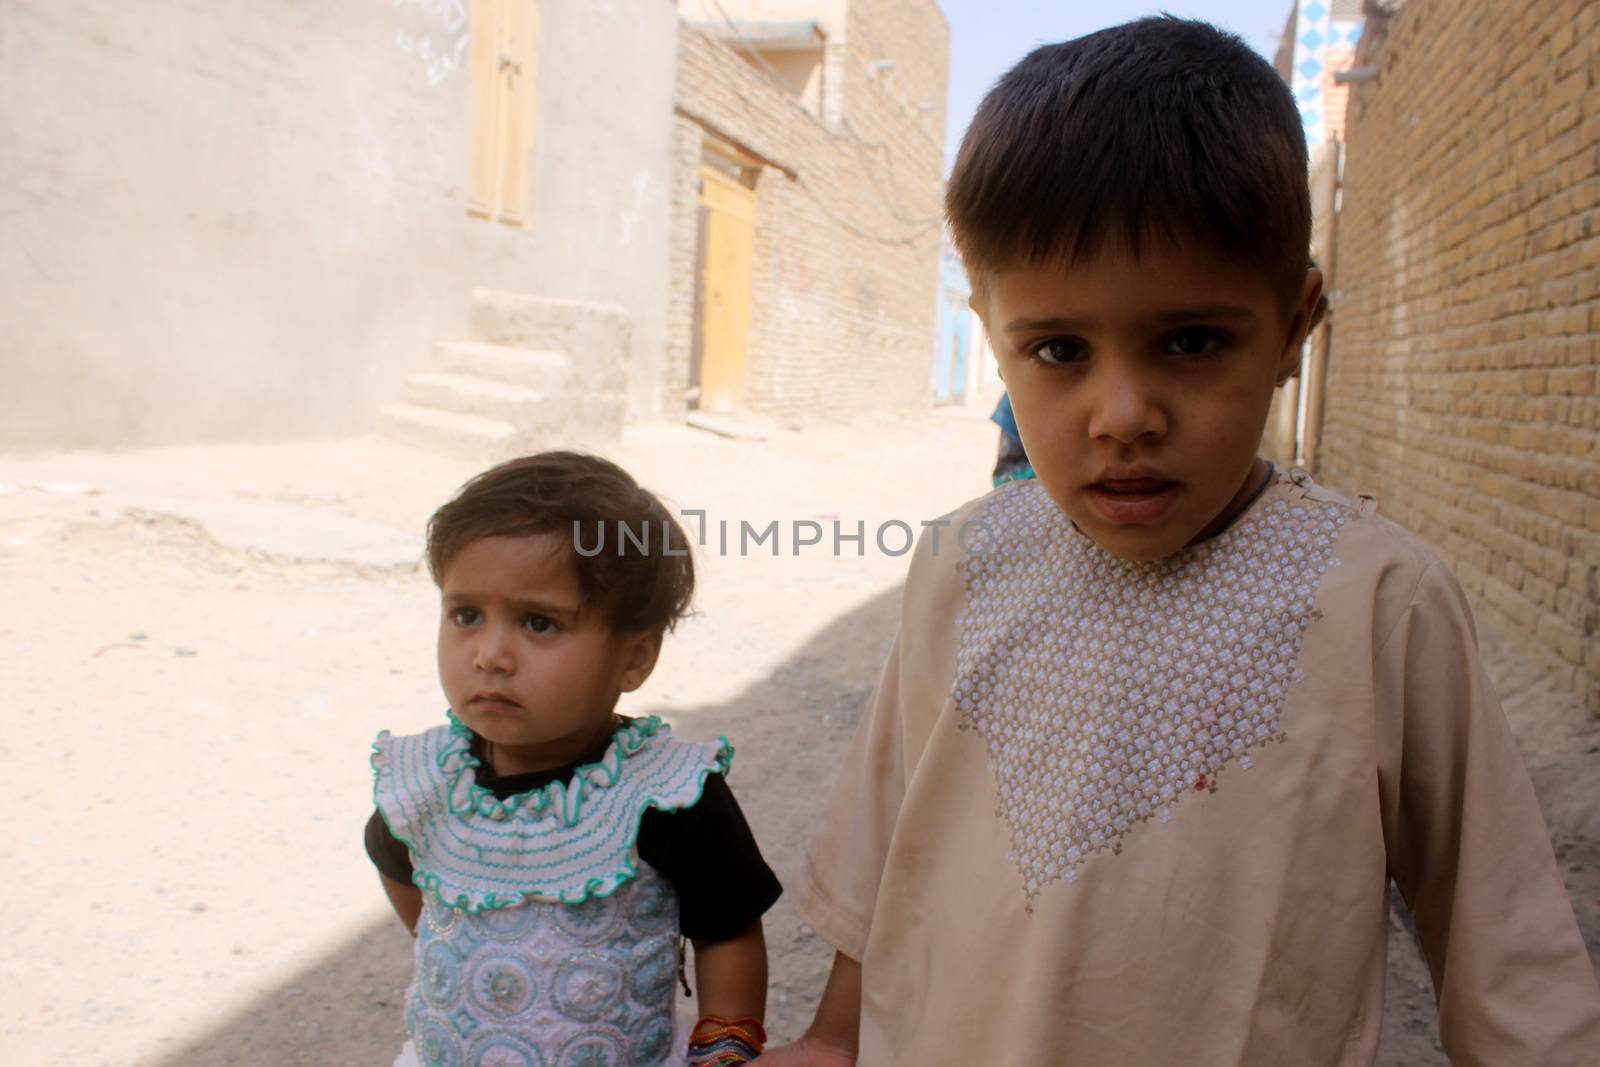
{"x": 564, "y": 798}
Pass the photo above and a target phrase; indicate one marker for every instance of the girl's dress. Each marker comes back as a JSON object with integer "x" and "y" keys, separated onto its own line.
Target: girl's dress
{"x": 545, "y": 940}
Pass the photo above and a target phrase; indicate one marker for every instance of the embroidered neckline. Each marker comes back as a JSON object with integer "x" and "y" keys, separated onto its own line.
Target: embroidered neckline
{"x": 1106, "y": 690}
{"x": 465, "y": 797}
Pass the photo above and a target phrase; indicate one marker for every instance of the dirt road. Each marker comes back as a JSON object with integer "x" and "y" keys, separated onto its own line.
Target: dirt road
{"x": 203, "y": 641}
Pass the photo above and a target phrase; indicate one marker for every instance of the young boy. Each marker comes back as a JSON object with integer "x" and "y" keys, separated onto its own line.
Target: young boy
{"x": 1159, "y": 728}
{"x": 554, "y": 850}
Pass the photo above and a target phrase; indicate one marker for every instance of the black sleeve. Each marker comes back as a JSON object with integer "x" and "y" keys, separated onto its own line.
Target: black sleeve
{"x": 387, "y": 853}
{"x": 710, "y": 856}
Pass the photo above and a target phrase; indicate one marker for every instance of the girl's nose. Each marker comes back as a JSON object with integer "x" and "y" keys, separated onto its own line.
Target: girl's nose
{"x": 493, "y": 651}
{"x": 1126, "y": 407}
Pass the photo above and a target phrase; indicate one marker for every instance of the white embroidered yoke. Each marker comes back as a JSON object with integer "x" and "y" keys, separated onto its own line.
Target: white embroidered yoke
{"x": 1106, "y": 690}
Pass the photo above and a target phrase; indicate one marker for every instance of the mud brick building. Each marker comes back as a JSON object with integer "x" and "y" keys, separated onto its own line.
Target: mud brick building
{"x": 807, "y": 188}
{"x": 1461, "y": 387}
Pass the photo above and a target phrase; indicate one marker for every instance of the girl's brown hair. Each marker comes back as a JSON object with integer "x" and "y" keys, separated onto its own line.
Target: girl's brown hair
{"x": 635, "y": 564}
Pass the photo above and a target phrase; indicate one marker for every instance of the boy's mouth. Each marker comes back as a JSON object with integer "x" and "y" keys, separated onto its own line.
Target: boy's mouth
{"x": 1137, "y": 500}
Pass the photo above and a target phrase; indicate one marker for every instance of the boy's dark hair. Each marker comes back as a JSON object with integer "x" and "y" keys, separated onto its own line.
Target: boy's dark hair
{"x": 579, "y": 497}
{"x": 1159, "y": 129}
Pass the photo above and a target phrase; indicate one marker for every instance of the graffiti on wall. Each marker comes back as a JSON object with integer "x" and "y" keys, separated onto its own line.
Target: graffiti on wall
{"x": 793, "y": 269}
{"x": 436, "y": 33}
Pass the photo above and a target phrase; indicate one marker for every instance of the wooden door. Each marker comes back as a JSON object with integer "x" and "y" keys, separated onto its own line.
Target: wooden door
{"x": 505, "y": 65}
{"x": 730, "y": 241}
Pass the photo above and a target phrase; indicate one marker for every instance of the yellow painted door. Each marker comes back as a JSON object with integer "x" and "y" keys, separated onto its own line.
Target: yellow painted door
{"x": 730, "y": 254}
{"x": 505, "y": 54}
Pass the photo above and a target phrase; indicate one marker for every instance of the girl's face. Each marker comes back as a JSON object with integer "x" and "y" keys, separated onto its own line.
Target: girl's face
{"x": 520, "y": 661}
{"x": 1141, "y": 386}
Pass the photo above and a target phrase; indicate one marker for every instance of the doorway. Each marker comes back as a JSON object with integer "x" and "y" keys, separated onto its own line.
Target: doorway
{"x": 725, "y": 257}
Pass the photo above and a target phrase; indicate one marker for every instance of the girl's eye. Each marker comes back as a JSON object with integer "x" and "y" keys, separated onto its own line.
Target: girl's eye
{"x": 1057, "y": 350}
{"x": 1195, "y": 341}
{"x": 539, "y": 624}
{"x": 464, "y": 616}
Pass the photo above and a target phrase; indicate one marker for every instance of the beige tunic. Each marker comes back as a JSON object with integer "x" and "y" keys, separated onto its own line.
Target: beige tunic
{"x": 1108, "y": 813}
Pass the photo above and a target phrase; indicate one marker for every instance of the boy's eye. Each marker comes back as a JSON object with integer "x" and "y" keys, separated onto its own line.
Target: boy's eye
{"x": 539, "y": 624}
{"x": 1057, "y": 350}
{"x": 1195, "y": 341}
{"x": 465, "y": 616}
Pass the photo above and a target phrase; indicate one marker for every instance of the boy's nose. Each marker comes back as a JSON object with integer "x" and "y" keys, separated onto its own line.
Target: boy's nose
{"x": 1126, "y": 408}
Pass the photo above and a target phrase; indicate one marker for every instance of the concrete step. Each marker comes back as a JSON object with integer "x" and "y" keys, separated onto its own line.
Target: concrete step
{"x": 468, "y": 394}
{"x": 448, "y": 433}
{"x": 597, "y": 337}
{"x": 544, "y": 371}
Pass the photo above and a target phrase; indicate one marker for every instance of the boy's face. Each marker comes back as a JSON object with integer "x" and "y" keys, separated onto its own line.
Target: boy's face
{"x": 1141, "y": 386}
{"x": 521, "y": 664}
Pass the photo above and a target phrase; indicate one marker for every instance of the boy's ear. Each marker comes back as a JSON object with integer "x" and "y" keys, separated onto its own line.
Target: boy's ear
{"x": 639, "y": 654}
{"x": 1302, "y": 320}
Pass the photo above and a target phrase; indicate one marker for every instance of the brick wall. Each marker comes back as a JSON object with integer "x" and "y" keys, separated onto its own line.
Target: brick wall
{"x": 1462, "y": 384}
{"x": 847, "y": 242}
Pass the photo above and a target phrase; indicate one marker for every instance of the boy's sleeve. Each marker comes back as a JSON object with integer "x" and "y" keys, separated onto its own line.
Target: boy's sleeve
{"x": 1469, "y": 849}
{"x": 845, "y": 861}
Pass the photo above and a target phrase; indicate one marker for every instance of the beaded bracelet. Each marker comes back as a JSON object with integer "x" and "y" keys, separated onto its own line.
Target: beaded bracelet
{"x": 718, "y": 1042}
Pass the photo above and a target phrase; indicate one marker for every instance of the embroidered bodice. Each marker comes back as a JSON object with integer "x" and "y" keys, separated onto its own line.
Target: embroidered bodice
{"x": 544, "y": 984}
{"x": 545, "y": 941}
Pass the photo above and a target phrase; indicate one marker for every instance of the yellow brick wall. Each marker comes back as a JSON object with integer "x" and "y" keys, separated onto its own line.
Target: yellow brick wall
{"x": 1462, "y": 384}
{"x": 846, "y": 261}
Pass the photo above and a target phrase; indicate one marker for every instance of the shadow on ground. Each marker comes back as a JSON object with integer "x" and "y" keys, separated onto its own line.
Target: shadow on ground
{"x": 345, "y": 1009}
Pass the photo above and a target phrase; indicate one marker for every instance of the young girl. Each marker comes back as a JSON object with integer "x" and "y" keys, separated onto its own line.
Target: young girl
{"x": 1160, "y": 725}
{"x": 547, "y": 853}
